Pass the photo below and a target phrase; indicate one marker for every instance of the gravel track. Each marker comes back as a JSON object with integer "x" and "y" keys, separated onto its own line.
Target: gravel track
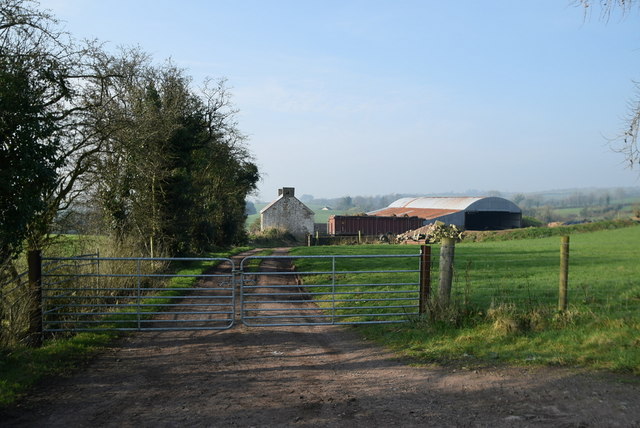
{"x": 310, "y": 376}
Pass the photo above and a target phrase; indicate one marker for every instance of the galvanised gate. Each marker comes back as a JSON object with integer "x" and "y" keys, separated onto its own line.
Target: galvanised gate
{"x": 91, "y": 293}
{"x": 129, "y": 294}
{"x": 337, "y": 290}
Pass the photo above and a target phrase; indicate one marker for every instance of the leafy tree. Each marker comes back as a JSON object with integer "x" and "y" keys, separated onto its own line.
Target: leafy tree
{"x": 41, "y": 73}
{"x": 345, "y": 203}
{"x": 167, "y": 165}
{"x": 518, "y": 198}
{"x": 250, "y": 208}
{"x": 27, "y": 151}
{"x": 29, "y": 89}
{"x": 51, "y": 87}
{"x": 176, "y": 173}
{"x": 223, "y": 174}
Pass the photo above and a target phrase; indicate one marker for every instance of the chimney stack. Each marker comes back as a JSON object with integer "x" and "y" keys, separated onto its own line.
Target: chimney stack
{"x": 287, "y": 191}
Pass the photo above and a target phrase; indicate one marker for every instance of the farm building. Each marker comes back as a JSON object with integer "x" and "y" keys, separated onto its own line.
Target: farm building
{"x": 288, "y": 213}
{"x": 470, "y": 213}
{"x": 341, "y": 225}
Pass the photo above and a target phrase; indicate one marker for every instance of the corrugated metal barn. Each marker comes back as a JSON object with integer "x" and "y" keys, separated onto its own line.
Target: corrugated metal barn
{"x": 470, "y": 213}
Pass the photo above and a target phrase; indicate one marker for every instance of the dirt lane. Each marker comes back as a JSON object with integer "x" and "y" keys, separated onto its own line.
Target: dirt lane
{"x": 310, "y": 376}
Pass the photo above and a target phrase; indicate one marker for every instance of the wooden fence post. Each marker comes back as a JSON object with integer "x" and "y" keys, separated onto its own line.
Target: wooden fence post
{"x": 447, "y": 251}
{"x": 34, "y": 260}
{"x": 425, "y": 278}
{"x": 564, "y": 274}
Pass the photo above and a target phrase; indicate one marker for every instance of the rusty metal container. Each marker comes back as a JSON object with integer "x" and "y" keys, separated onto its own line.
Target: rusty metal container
{"x": 371, "y": 225}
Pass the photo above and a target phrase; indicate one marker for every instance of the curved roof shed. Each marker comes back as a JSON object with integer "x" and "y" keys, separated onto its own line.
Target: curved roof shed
{"x": 471, "y": 213}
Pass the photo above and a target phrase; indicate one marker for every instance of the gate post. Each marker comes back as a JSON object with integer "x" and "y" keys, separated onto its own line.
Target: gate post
{"x": 425, "y": 278}
{"x": 138, "y": 293}
{"x": 34, "y": 260}
{"x": 447, "y": 251}
{"x": 564, "y": 273}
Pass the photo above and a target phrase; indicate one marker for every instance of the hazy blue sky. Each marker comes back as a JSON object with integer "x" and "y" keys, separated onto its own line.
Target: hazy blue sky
{"x": 374, "y": 97}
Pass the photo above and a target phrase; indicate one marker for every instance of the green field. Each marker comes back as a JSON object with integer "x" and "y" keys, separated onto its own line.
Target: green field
{"x": 505, "y": 304}
{"x": 624, "y": 212}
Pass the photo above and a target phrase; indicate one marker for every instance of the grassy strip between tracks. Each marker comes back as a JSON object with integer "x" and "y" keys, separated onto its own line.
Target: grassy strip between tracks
{"x": 505, "y": 304}
{"x": 22, "y": 367}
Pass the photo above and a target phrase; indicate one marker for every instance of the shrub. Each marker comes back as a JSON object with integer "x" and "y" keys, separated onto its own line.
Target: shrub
{"x": 272, "y": 237}
{"x": 254, "y": 227}
{"x": 531, "y": 222}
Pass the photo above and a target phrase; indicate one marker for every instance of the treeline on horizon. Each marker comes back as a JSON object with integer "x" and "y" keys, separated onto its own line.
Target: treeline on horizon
{"x": 111, "y": 143}
{"x": 601, "y": 202}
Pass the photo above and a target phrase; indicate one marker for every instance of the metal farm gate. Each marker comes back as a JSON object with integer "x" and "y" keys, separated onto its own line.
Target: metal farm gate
{"x": 127, "y": 294}
{"x": 91, "y": 293}
{"x": 335, "y": 294}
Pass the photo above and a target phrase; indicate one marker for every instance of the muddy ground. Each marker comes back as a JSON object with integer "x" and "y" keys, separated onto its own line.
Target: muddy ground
{"x": 311, "y": 376}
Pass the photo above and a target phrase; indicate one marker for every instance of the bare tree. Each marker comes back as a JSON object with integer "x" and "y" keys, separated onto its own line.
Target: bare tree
{"x": 607, "y": 7}
{"x": 627, "y": 142}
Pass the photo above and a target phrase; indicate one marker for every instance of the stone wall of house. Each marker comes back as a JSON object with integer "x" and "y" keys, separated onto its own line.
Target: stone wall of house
{"x": 288, "y": 213}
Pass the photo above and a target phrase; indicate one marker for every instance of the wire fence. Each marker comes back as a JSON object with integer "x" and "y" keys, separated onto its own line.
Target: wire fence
{"x": 531, "y": 279}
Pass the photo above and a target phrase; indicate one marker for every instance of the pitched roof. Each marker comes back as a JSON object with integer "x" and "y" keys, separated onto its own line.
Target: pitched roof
{"x": 309, "y": 210}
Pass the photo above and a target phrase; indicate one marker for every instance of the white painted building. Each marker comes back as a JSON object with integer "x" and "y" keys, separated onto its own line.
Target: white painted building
{"x": 288, "y": 213}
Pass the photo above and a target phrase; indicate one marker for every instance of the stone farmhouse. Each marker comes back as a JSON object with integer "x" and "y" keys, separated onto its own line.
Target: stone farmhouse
{"x": 288, "y": 213}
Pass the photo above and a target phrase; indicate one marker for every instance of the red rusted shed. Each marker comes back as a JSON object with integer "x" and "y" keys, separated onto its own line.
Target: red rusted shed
{"x": 372, "y": 225}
